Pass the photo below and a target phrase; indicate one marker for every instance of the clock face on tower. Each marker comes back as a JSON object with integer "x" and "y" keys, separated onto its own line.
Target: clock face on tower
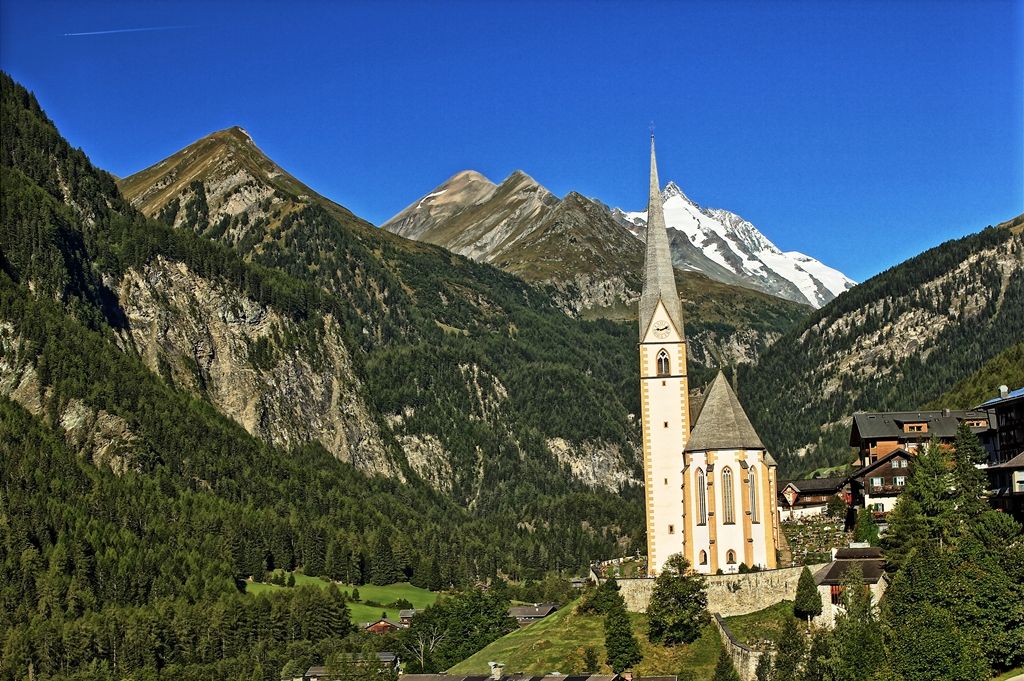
{"x": 661, "y": 328}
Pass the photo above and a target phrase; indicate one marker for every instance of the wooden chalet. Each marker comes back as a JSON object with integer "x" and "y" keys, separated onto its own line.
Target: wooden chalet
{"x": 382, "y": 626}
{"x": 800, "y": 498}
{"x": 876, "y": 435}
{"x": 877, "y": 485}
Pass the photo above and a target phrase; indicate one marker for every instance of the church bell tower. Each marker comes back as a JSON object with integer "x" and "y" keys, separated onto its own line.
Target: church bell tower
{"x": 663, "y": 389}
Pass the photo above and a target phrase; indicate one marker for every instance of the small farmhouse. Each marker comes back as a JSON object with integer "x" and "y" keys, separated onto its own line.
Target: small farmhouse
{"x": 830, "y": 579}
{"x": 801, "y": 498}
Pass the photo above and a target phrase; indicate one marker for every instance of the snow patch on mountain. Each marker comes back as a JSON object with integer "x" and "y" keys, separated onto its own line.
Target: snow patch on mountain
{"x": 736, "y": 245}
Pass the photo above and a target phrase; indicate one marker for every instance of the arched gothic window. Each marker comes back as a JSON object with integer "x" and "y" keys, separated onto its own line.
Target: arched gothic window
{"x": 663, "y": 368}
{"x": 703, "y": 557}
{"x": 730, "y": 557}
{"x": 753, "y": 495}
{"x": 702, "y": 499}
{"x": 728, "y": 510}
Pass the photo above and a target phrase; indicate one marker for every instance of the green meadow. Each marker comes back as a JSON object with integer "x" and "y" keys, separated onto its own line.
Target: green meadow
{"x": 420, "y": 598}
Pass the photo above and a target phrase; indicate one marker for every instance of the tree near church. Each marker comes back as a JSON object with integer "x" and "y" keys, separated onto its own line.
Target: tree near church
{"x": 724, "y": 668}
{"x": 604, "y": 598}
{"x": 679, "y": 605}
{"x": 808, "y": 601}
{"x": 623, "y": 648}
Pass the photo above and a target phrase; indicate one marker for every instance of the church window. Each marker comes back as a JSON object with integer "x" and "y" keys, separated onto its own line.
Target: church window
{"x": 663, "y": 364}
{"x": 753, "y": 495}
{"x": 702, "y": 499}
{"x": 671, "y": 529}
{"x": 730, "y": 557}
{"x": 666, "y": 424}
{"x": 666, "y": 481}
{"x": 703, "y": 557}
{"x": 728, "y": 513}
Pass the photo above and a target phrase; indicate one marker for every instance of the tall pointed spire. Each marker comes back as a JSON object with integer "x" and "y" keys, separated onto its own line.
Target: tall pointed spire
{"x": 659, "y": 277}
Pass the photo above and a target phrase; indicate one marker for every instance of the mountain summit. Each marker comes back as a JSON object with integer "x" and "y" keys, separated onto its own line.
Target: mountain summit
{"x": 595, "y": 264}
{"x": 726, "y": 247}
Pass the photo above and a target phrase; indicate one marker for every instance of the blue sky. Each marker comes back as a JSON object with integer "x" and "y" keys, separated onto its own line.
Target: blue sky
{"x": 860, "y": 133}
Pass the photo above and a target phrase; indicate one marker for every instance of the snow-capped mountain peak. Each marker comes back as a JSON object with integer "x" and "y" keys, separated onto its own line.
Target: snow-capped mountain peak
{"x": 726, "y": 247}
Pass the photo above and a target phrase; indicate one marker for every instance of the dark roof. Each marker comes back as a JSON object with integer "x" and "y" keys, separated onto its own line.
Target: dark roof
{"x": 882, "y": 460}
{"x": 889, "y": 425}
{"x": 542, "y": 610}
{"x": 816, "y": 484}
{"x": 320, "y": 671}
{"x": 832, "y": 574}
{"x": 849, "y": 553}
{"x": 722, "y": 423}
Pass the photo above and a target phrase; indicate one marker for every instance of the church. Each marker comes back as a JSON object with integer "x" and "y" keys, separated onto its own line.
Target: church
{"x": 710, "y": 484}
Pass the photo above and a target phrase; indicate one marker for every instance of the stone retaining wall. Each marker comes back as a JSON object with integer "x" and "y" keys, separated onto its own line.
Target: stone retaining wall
{"x": 735, "y": 594}
{"x": 744, "y": 658}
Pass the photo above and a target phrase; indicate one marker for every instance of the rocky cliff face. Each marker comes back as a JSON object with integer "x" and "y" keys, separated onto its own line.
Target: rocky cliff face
{"x": 598, "y": 464}
{"x": 284, "y": 384}
{"x": 104, "y": 439}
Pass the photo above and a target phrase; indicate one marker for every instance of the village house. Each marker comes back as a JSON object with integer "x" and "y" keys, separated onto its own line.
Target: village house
{"x": 802, "y": 498}
{"x": 382, "y": 626}
{"x": 830, "y": 579}
{"x": 877, "y": 434}
{"x": 878, "y": 485}
{"x": 528, "y": 614}
{"x": 1007, "y": 412}
{"x": 405, "y": 616}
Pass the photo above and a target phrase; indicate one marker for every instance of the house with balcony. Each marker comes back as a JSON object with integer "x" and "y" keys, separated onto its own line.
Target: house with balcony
{"x": 877, "y": 485}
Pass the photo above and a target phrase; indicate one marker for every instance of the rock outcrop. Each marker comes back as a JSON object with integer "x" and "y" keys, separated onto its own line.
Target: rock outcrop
{"x": 255, "y": 366}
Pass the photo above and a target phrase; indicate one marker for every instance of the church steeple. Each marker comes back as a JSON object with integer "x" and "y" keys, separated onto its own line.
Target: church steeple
{"x": 659, "y": 277}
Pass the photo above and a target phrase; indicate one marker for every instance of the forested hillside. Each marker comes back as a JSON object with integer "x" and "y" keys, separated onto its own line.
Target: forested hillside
{"x": 893, "y": 343}
{"x": 132, "y": 507}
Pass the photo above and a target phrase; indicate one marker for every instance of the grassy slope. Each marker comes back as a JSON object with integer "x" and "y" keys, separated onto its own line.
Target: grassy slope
{"x": 554, "y": 643}
{"x": 763, "y": 624}
{"x": 420, "y": 598}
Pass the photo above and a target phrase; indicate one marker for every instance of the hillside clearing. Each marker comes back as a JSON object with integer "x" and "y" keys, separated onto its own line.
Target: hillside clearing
{"x": 557, "y": 644}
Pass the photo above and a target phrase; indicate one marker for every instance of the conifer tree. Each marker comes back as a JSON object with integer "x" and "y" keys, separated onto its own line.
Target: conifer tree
{"x": 623, "y": 648}
{"x": 678, "y": 609}
{"x": 808, "y": 600}
{"x": 384, "y": 570}
{"x": 789, "y": 652}
{"x": 866, "y": 529}
{"x": 724, "y": 668}
{"x": 763, "y": 671}
{"x": 604, "y": 598}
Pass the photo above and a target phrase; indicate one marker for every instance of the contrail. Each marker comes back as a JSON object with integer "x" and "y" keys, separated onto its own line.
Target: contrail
{"x": 129, "y": 30}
